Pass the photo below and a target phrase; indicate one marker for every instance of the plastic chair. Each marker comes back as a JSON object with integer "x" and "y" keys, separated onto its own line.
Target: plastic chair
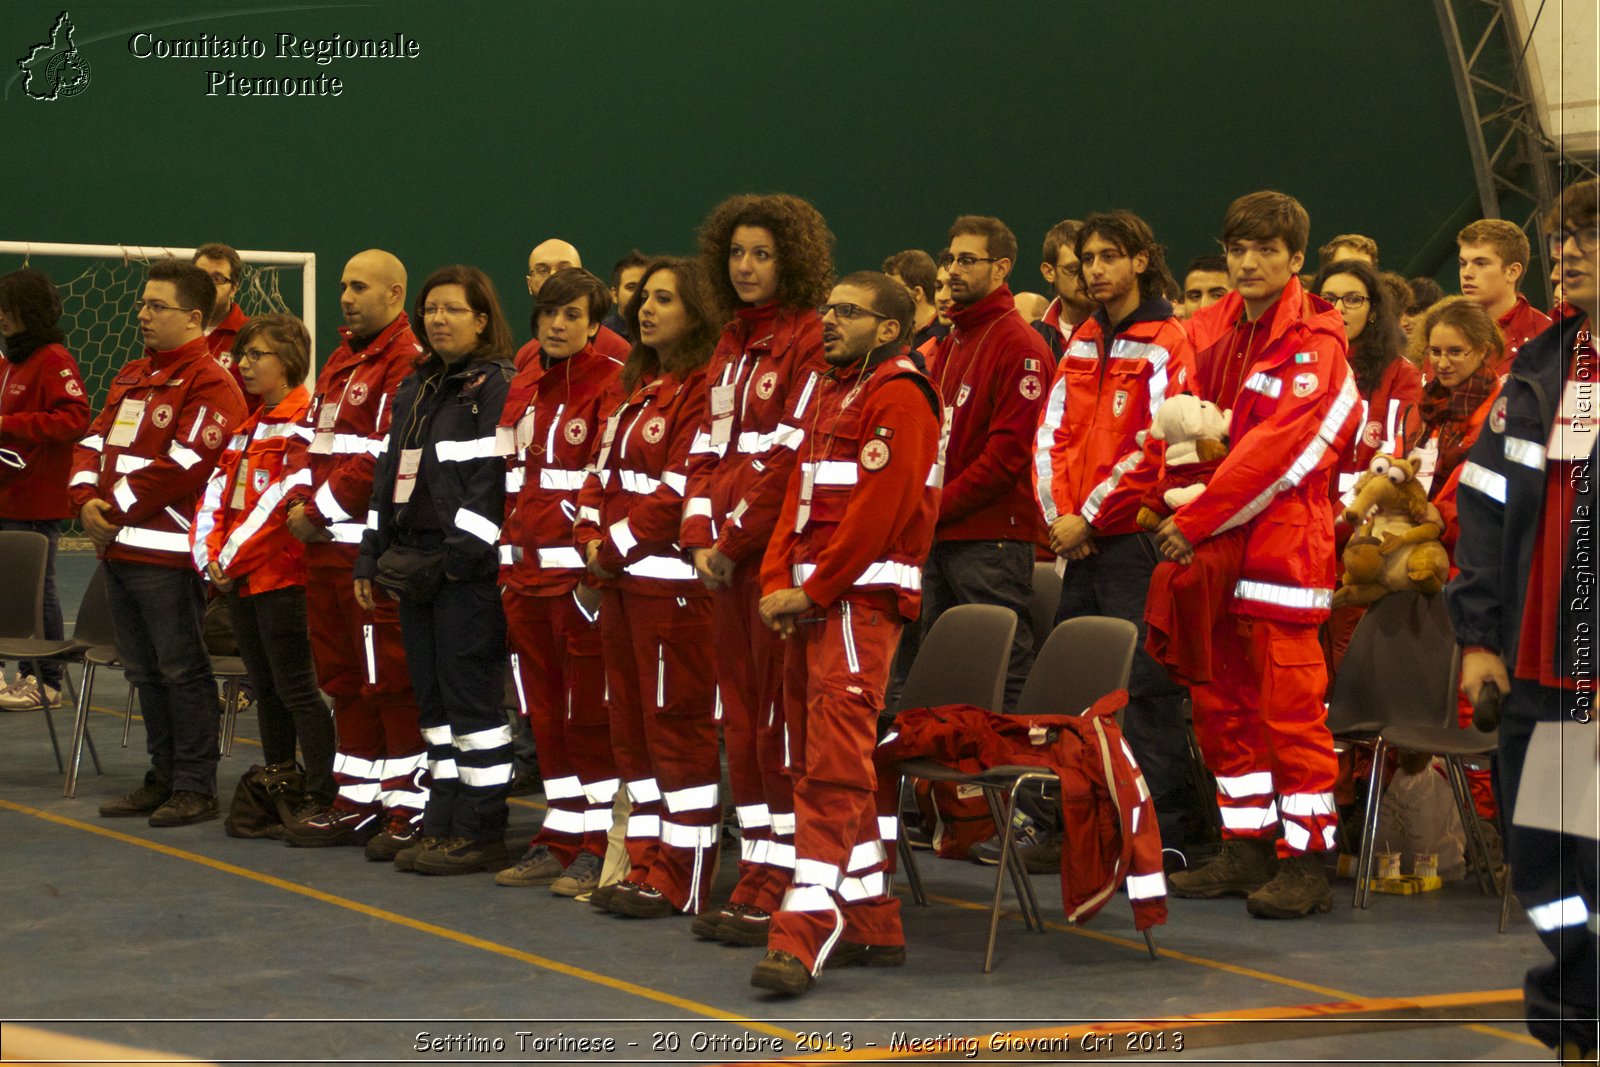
{"x": 232, "y": 673}
{"x": 1046, "y": 599}
{"x": 95, "y": 640}
{"x": 24, "y": 557}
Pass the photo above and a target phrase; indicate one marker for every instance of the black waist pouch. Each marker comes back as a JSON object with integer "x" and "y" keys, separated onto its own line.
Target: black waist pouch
{"x": 412, "y": 574}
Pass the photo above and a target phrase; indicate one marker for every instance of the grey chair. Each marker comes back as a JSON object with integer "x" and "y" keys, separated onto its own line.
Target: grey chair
{"x": 95, "y": 646}
{"x": 24, "y": 556}
{"x": 1046, "y": 599}
{"x": 232, "y": 673}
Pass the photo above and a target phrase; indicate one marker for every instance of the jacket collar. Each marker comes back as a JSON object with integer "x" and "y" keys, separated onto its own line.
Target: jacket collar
{"x": 1294, "y": 308}
{"x": 291, "y": 408}
{"x": 379, "y": 343}
{"x": 165, "y": 363}
{"x": 977, "y": 316}
{"x": 232, "y": 322}
{"x": 1152, "y": 309}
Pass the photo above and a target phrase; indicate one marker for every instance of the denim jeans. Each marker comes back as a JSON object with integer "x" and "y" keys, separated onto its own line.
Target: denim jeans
{"x": 49, "y": 671}
{"x": 984, "y": 572}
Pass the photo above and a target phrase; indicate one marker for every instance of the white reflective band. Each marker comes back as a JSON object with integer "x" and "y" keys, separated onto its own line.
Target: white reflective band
{"x": 560, "y": 559}
{"x": 783, "y": 823}
{"x": 935, "y": 478}
{"x": 678, "y": 835}
{"x": 436, "y": 735}
{"x": 751, "y": 443}
{"x": 668, "y": 568}
{"x": 601, "y": 792}
{"x": 835, "y": 472}
{"x": 237, "y": 443}
{"x": 355, "y": 766}
{"x": 1297, "y": 837}
{"x": 644, "y": 826}
{"x": 1097, "y": 496}
{"x": 153, "y": 540}
{"x": 1250, "y": 818}
{"x": 1327, "y": 433}
{"x": 482, "y": 740}
{"x": 508, "y": 555}
{"x": 780, "y": 854}
{"x": 678, "y": 483}
{"x": 622, "y": 536}
{"x": 372, "y": 655}
{"x": 702, "y": 445}
{"x": 884, "y": 572}
{"x": 1265, "y": 384}
{"x": 634, "y": 482}
{"x": 514, "y": 480}
{"x": 478, "y": 526}
{"x": 562, "y": 821}
{"x": 505, "y": 440}
{"x": 299, "y": 477}
{"x": 597, "y": 819}
{"x": 325, "y": 502}
{"x": 402, "y": 766}
{"x": 180, "y": 519}
{"x": 644, "y": 791}
{"x": 863, "y": 888}
{"x": 1044, "y": 439}
{"x": 462, "y": 451}
{"x": 815, "y": 872}
{"x": 790, "y": 437}
{"x": 442, "y": 768}
{"x": 259, "y": 516}
{"x": 697, "y": 507}
{"x": 347, "y": 533}
{"x": 561, "y": 481}
{"x": 694, "y": 798}
{"x": 353, "y": 444}
{"x": 91, "y": 477}
{"x": 1146, "y": 886}
{"x": 372, "y": 519}
{"x": 589, "y": 515}
{"x": 1485, "y": 481}
{"x": 888, "y": 827}
{"x": 1527, "y": 453}
{"x": 1559, "y": 914}
{"x": 1306, "y": 805}
{"x": 93, "y": 444}
{"x": 360, "y": 792}
{"x": 753, "y": 850}
{"x": 412, "y": 799}
{"x": 807, "y": 898}
{"x": 127, "y": 464}
{"x": 753, "y": 816}
{"x": 482, "y": 777}
{"x": 1257, "y": 784}
{"x": 867, "y": 854}
{"x": 1329, "y": 832}
{"x": 1288, "y": 596}
{"x": 123, "y": 494}
{"x": 184, "y": 457}
{"x": 805, "y": 395}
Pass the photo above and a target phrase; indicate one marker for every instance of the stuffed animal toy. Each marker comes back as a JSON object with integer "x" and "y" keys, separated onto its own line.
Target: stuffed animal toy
{"x": 1396, "y": 544}
{"x": 1193, "y": 430}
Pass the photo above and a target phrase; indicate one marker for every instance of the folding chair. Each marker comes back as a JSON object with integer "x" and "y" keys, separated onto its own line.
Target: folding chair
{"x": 24, "y": 557}
{"x": 95, "y": 645}
{"x": 232, "y": 673}
{"x": 1046, "y": 599}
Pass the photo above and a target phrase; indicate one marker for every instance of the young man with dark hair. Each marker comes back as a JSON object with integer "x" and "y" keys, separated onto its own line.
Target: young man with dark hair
{"x": 1069, "y": 305}
{"x": 1205, "y": 281}
{"x": 136, "y": 480}
{"x": 1494, "y": 258}
{"x": 916, "y": 270}
{"x": 1094, "y": 463}
{"x": 991, "y": 372}
{"x": 1523, "y": 611}
{"x": 1275, "y": 356}
{"x": 626, "y": 273}
{"x": 1349, "y": 246}
{"x": 224, "y": 318}
{"x": 547, "y": 257}
{"x": 839, "y": 580}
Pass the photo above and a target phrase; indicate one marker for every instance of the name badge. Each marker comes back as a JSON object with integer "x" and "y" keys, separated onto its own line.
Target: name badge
{"x": 405, "y": 480}
{"x": 126, "y": 427}
{"x": 1572, "y": 434}
{"x": 525, "y": 430}
{"x": 808, "y": 483}
{"x": 327, "y": 415}
{"x": 237, "y": 501}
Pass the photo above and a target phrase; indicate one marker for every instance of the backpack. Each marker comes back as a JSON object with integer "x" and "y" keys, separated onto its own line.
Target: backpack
{"x": 265, "y": 799}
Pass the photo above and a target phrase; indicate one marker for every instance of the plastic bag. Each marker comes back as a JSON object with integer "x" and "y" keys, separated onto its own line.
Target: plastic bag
{"x": 1419, "y": 815}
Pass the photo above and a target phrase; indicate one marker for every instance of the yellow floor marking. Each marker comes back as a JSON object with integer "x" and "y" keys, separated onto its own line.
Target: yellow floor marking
{"x": 621, "y": 985}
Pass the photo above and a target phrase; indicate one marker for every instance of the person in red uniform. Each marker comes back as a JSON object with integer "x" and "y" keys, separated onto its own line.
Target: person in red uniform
{"x": 43, "y": 411}
{"x": 550, "y": 423}
{"x": 547, "y": 257}
{"x": 1071, "y": 305}
{"x": 991, "y": 371}
{"x": 916, "y": 270}
{"x": 1523, "y": 609}
{"x": 769, "y": 260}
{"x": 241, "y": 542}
{"x": 655, "y": 613}
{"x": 359, "y": 654}
{"x": 1094, "y": 462}
{"x": 1260, "y": 719}
{"x": 136, "y": 481}
{"x": 840, "y": 579}
{"x": 1494, "y": 257}
{"x": 225, "y": 318}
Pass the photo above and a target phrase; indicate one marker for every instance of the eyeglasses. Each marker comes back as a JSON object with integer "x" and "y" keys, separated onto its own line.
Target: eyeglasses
{"x": 1349, "y": 300}
{"x": 1453, "y": 354}
{"x": 845, "y": 312}
{"x": 452, "y": 310}
{"x": 544, "y": 270}
{"x": 156, "y": 307}
{"x": 253, "y": 355}
{"x": 220, "y": 279}
{"x": 966, "y": 260}
{"x": 1587, "y": 239}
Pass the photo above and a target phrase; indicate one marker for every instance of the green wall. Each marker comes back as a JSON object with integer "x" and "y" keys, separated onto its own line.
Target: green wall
{"x": 617, "y": 123}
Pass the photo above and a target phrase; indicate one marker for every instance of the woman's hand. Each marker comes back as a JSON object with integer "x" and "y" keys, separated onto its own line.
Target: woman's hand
{"x": 364, "y": 594}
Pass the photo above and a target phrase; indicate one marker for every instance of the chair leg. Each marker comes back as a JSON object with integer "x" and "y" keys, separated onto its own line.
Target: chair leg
{"x": 1150, "y": 943}
{"x": 1369, "y": 829}
{"x": 72, "y": 691}
{"x": 1000, "y": 881}
{"x": 908, "y": 859}
{"x": 50, "y": 724}
{"x": 80, "y": 729}
{"x": 127, "y": 720}
{"x": 1505, "y": 900}
{"x": 1478, "y": 848}
{"x": 1010, "y": 862}
{"x": 230, "y": 715}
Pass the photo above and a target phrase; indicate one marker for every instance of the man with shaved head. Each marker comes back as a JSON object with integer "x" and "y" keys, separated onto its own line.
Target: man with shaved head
{"x": 359, "y": 655}
{"x": 547, "y": 257}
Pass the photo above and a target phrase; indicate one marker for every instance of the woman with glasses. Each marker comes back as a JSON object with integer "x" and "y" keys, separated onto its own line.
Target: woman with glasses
{"x": 655, "y": 613}
{"x": 241, "y": 543}
{"x": 438, "y": 497}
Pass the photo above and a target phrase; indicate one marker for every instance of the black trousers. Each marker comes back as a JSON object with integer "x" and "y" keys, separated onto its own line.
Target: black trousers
{"x": 275, "y": 644}
{"x": 984, "y": 572}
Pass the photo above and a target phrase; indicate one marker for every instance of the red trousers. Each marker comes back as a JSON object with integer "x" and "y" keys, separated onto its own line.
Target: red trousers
{"x": 1263, "y": 730}
{"x": 361, "y": 663}
{"x": 558, "y": 667}
{"x": 664, "y": 738}
{"x": 749, "y": 659}
{"x": 834, "y": 673}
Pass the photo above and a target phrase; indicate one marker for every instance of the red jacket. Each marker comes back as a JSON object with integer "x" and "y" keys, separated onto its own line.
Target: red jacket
{"x": 991, "y": 371}
{"x": 1389, "y": 418}
{"x": 220, "y": 338}
{"x": 632, "y": 500}
{"x": 548, "y": 430}
{"x": 167, "y": 418}
{"x": 860, "y": 507}
{"x": 760, "y": 388}
{"x": 43, "y": 412}
{"x": 1088, "y": 460}
{"x": 1292, "y": 424}
{"x": 240, "y": 524}
{"x": 1518, "y": 326}
{"x": 607, "y": 342}
{"x": 349, "y": 420}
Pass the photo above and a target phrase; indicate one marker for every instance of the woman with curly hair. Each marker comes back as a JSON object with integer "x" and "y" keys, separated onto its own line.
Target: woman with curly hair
{"x": 770, "y": 261}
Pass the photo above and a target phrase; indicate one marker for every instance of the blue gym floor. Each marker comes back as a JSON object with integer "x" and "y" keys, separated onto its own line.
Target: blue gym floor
{"x": 195, "y": 943}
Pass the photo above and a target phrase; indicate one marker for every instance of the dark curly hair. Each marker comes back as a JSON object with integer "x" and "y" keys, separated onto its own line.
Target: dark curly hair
{"x": 1380, "y": 342}
{"x": 805, "y": 248}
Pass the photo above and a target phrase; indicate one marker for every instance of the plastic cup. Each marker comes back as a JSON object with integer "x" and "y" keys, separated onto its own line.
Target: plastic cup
{"x": 1388, "y": 865}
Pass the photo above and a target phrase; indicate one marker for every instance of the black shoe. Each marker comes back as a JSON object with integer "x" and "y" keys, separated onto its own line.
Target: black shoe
{"x": 334, "y": 826}
{"x": 641, "y": 901}
{"x": 185, "y": 808}
{"x": 406, "y": 858}
{"x": 601, "y": 896}
{"x": 400, "y": 833}
{"x": 782, "y": 972}
{"x": 855, "y": 954}
{"x": 142, "y": 801}
{"x": 462, "y": 856}
{"x": 705, "y": 924}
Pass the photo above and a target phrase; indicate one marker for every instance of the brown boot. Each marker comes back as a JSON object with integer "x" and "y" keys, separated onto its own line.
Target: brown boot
{"x": 1300, "y": 888}
{"x": 1245, "y": 865}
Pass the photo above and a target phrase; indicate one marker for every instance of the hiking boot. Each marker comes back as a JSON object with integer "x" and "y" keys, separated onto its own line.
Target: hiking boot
{"x": 601, "y": 896}
{"x": 23, "y": 695}
{"x": 538, "y": 866}
{"x": 334, "y": 826}
{"x": 399, "y": 833}
{"x": 185, "y": 808}
{"x": 581, "y": 876}
{"x": 1300, "y": 888}
{"x": 782, "y": 972}
{"x": 855, "y": 954}
{"x": 747, "y": 926}
{"x": 459, "y": 855}
{"x": 1245, "y": 865}
{"x": 406, "y": 858}
{"x": 705, "y": 924}
{"x": 1044, "y": 855}
{"x": 142, "y": 801}
{"x": 640, "y": 901}
{"x": 1024, "y": 833}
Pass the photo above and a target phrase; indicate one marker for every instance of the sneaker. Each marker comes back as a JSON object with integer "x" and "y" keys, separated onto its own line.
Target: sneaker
{"x": 782, "y": 972}
{"x": 747, "y": 926}
{"x": 142, "y": 801}
{"x": 406, "y": 858}
{"x": 855, "y": 954}
{"x": 1300, "y": 888}
{"x": 399, "y": 833}
{"x": 459, "y": 855}
{"x": 638, "y": 900}
{"x": 23, "y": 695}
{"x": 919, "y": 836}
{"x": 185, "y": 808}
{"x": 581, "y": 876}
{"x": 334, "y": 826}
{"x": 1024, "y": 831}
{"x": 538, "y": 866}
{"x": 1244, "y": 866}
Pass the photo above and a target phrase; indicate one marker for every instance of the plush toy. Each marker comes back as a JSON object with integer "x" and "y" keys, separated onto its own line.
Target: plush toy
{"x": 1193, "y": 430}
{"x": 1396, "y": 545}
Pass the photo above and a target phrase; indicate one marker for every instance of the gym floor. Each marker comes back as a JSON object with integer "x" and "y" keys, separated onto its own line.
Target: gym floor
{"x": 198, "y": 944}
